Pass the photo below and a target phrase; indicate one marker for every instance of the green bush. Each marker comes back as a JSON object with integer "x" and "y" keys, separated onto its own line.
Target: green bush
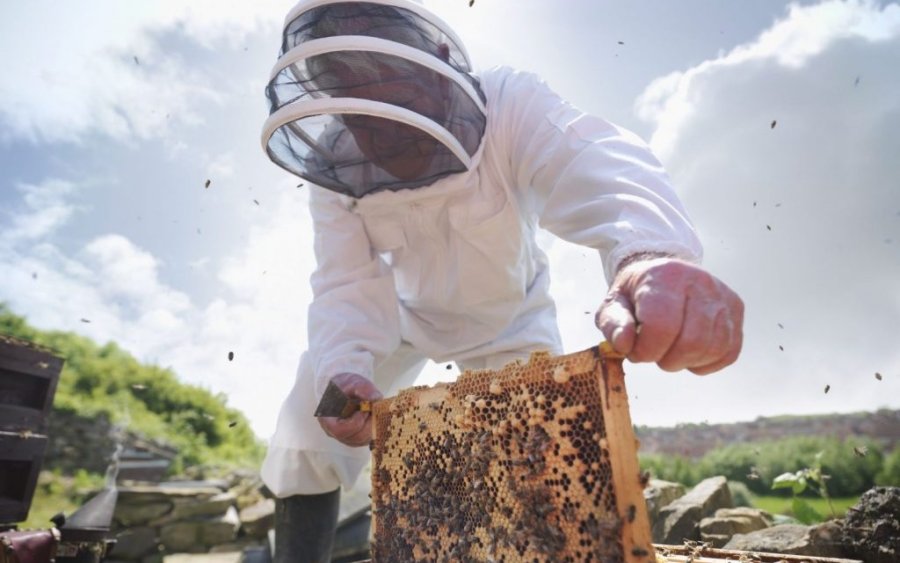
{"x": 851, "y": 465}
{"x": 890, "y": 470}
{"x": 670, "y": 468}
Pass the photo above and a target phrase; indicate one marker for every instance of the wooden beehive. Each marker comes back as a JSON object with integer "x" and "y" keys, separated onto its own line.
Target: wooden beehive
{"x": 536, "y": 461}
{"x": 28, "y": 377}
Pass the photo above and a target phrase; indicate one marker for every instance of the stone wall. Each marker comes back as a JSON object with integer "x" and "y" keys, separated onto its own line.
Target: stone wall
{"x": 151, "y": 522}
{"x": 76, "y": 442}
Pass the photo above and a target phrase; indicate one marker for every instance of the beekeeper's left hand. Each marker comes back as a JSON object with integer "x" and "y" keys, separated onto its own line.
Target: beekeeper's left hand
{"x": 674, "y": 313}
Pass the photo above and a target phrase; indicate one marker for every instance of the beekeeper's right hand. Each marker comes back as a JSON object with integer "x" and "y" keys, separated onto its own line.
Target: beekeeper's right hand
{"x": 356, "y": 430}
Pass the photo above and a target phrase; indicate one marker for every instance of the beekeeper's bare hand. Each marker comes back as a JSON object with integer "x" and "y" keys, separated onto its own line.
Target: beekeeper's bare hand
{"x": 674, "y": 313}
{"x": 356, "y": 430}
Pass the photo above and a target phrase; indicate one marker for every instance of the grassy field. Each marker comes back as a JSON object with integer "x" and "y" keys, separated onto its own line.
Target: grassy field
{"x": 782, "y": 505}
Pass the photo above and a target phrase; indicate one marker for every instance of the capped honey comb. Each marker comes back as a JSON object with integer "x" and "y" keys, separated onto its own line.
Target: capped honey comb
{"x": 536, "y": 461}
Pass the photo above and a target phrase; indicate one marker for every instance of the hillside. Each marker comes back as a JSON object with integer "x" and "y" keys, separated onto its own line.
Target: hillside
{"x": 695, "y": 440}
{"x": 104, "y": 392}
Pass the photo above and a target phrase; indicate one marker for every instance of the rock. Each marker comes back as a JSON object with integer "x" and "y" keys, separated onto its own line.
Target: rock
{"x": 822, "y": 540}
{"x": 215, "y": 505}
{"x": 680, "y": 520}
{"x": 134, "y": 543}
{"x": 677, "y": 523}
{"x": 136, "y": 513}
{"x": 149, "y": 493}
{"x": 258, "y": 518}
{"x": 764, "y": 518}
{"x": 871, "y": 529}
{"x": 241, "y": 544}
{"x": 220, "y": 484}
{"x": 199, "y": 535}
{"x": 659, "y": 493}
{"x": 180, "y": 536}
{"x": 717, "y": 530}
{"x": 220, "y": 530}
{"x": 157, "y": 505}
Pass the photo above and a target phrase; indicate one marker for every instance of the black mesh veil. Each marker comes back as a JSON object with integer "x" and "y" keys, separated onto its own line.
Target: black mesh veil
{"x": 371, "y": 96}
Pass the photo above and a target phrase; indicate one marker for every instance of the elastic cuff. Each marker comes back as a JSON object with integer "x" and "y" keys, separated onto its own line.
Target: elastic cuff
{"x": 633, "y": 252}
{"x": 361, "y": 363}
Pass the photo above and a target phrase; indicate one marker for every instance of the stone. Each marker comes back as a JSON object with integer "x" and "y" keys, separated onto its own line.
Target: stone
{"x": 256, "y": 520}
{"x": 220, "y": 484}
{"x": 136, "y": 513}
{"x": 149, "y": 493}
{"x": 680, "y": 519}
{"x": 180, "y": 536}
{"x": 155, "y": 505}
{"x": 215, "y": 505}
{"x": 240, "y": 544}
{"x": 134, "y": 543}
{"x": 871, "y": 528}
{"x": 145, "y": 504}
{"x": 765, "y": 519}
{"x": 677, "y": 523}
{"x": 822, "y": 540}
{"x": 214, "y": 531}
{"x": 659, "y": 493}
{"x": 718, "y": 529}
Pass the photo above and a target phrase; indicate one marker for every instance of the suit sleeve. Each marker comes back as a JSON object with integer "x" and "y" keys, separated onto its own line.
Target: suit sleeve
{"x": 353, "y": 319}
{"x": 587, "y": 180}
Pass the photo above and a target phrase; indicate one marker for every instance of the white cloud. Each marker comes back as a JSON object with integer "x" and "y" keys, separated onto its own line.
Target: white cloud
{"x": 45, "y": 210}
{"x": 788, "y": 45}
{"x": 106, "y": 67}
{"x": 113, "y": 290}
{"x": 126, "y": 273}
{"x": 221, "y": 166}
{"x": 785, "y": 153}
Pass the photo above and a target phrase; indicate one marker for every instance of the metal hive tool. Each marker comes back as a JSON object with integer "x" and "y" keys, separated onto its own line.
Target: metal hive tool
{"x": 536, "y": 461}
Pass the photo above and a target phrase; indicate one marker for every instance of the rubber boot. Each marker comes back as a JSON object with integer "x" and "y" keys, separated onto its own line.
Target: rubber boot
{"x": 305, "y": 527}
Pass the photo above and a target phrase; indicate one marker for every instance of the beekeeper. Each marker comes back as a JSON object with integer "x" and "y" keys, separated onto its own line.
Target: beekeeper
{"x": 430, "y": 182}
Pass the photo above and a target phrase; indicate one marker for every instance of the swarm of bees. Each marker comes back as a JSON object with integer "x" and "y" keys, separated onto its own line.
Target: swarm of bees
{"x": 507, "y": 465}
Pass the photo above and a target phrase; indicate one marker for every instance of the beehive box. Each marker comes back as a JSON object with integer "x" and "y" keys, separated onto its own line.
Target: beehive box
{"x": 533, "y": 462}
{"x": 28, "y": 377}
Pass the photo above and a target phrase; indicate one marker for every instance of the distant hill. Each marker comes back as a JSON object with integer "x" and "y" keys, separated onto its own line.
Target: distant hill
{"x": 694, "y": 440}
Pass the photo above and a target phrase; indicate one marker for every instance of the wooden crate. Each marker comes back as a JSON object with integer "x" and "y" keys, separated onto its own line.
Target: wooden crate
{"x": 21, "y": 456}
{"x": 28, "y": 377}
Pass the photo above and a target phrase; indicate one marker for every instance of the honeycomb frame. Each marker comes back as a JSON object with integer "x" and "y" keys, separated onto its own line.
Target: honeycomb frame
{"x": 535, "y": 461}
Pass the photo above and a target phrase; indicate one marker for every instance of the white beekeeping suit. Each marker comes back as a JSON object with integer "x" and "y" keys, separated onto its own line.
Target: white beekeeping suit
{"x": 437, "y": 259}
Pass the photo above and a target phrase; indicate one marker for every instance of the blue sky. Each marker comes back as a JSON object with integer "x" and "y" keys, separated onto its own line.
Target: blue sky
{"x": 114, "y": 115}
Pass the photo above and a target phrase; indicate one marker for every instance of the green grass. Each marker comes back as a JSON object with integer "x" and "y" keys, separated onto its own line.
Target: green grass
{"x": 782, "y": 505}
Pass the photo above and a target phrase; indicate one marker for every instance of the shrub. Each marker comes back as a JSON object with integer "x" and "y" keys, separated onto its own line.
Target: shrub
{"x": 889, "y": 475}
{"x": 740, "y": 493}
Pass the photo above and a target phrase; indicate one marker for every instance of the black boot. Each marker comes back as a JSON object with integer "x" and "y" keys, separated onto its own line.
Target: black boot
{"x": 305, "y": 526}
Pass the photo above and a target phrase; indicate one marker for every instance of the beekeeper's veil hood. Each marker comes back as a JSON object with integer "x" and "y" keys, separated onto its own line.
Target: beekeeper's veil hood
{"x": 371, "y": 96}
